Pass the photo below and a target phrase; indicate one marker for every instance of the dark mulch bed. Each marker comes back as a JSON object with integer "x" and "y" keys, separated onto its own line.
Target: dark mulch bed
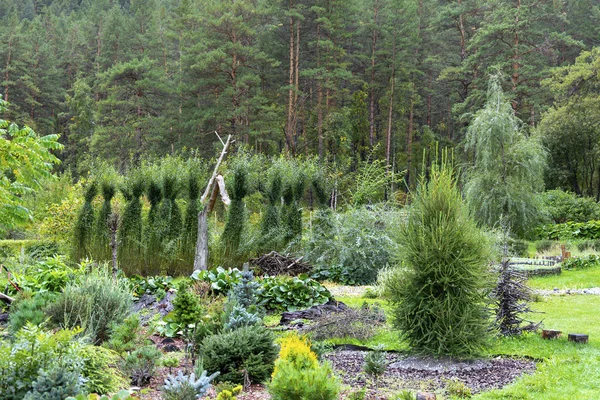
{"x": 427, "y": 374}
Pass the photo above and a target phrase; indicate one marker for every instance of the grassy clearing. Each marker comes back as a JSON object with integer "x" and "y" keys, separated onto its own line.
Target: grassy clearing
{"x": 573, "y": 279}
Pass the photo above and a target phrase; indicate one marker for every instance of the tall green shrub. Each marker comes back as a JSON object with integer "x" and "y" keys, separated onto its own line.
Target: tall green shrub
{"x": 170, "y": 223}
{"x": 236, "y": 216}
{"x": 85, "y": 225}
{"x": 130, "y": 231}
{"x": 102, "y": 250}
{"x": 270, "y": 227}
{"x": 439, "y": 302}
{"x": 190, "y": 225}
{"x": 152, "y": 230}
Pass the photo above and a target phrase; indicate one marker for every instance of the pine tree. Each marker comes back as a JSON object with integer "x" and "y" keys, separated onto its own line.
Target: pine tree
{"x": 130, "y": 252}
{"x": 102, "y": 251}
{"x": 439, "y": 292}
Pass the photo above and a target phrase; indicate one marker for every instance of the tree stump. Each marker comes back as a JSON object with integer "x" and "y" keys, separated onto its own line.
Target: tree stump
{"x": 551, "y": 334}
{"x": 578, "y": 338}
{"x": 426, "y": 396}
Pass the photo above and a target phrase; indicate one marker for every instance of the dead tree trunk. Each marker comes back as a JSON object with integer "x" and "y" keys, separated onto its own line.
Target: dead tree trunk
{"x": 201, "y": 256}
{"x": 6, "y": 299}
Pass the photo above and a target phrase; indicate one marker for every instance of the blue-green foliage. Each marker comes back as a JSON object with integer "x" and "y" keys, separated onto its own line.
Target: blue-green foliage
{"x": 55, "y": 384}
{"x": 351, "y": 247}
{"x": 33, "y": 351}
{"x": 178, "y": 383}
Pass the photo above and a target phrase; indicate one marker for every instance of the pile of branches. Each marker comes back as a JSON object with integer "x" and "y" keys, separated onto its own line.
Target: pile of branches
{"x": 274, "y": 264}
{"x": 341, "y": 321}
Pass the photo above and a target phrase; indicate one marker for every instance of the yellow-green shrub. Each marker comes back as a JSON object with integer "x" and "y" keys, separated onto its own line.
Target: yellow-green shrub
{"x": 299, "y": 376}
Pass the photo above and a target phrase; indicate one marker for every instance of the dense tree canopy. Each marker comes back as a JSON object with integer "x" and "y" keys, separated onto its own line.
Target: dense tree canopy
{"x": 126, "y": 79}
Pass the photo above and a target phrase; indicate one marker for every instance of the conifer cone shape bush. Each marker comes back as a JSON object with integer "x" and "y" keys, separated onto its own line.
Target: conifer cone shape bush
{"x": 102, "y": 230}
{"x": 130, "y": 231}
{"x": 85, "y": 225}
{"x": 152, "y": 232}
{"x": 190, "y": 223}
{"x": 236, "y": 217}
{"x": 439, "y": 301}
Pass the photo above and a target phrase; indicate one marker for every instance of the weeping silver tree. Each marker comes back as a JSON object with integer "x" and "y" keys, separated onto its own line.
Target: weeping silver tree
{"x": 507, "y": 165}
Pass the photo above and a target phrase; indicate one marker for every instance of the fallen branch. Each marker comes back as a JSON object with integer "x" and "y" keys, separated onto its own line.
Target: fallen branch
{"x": 6, "y": 299}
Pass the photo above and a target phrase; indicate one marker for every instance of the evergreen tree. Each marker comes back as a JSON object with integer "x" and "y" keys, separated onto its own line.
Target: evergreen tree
{"x": 85, "y": 225}
{"x": 236, "y": 215}
{"x": 102, "y": 251}
{"x": 438, "y": 294}
{"x": 130, "y": 252}
{"x": 507, "y": 168}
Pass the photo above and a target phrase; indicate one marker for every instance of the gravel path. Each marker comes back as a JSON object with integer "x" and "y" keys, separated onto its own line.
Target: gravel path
{"x": 425, "y": 373}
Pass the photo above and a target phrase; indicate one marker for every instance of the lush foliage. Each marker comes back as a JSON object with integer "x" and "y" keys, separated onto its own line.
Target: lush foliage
{"x": 438, "y": 302}
{"x": 508, "y": 166}
{"x": 375, "y": 362}
{"x": 351, "y": 247}
{"x": 94, "y": 303}
{"x": 245, "y": 353}
{"x": 564, "y": 207}
{"x": 578, "y": 263}
{"x": 25, "y": 158}
{"x": 571, "y": 230}
{"x": 281, "y": 293}
{"x": 35, "y": 351}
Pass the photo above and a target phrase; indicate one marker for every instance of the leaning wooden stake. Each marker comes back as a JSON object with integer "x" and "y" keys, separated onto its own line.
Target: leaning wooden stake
{"x": 210, "y": 194}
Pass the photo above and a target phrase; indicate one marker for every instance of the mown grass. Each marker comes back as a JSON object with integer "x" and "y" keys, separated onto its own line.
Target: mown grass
{"x": 569, "y": 279}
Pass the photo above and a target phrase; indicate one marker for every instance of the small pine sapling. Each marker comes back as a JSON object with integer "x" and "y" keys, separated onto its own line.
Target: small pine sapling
{"x": 375, "y": 362}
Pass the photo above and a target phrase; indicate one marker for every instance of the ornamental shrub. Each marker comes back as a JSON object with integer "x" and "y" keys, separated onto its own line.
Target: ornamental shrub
{"x": 94, "y": 303}
{"x": 564, "y": 207}
{"x": 83, "y": 233}
{"x": 55, "y": 384}
{"x": 190, "y": 222}
{"x": 130, "y": 230}
{"x": 439, "y": 302}
{"x": 100, "y": 370}
{"x": 186, "y": 306}
{"x": 102, "y": 251}
{"x": 249, "y": 351}
{"x": 32, "y": 351}
{"x": 236, "y": 216}
{"x": 298, "y": 375}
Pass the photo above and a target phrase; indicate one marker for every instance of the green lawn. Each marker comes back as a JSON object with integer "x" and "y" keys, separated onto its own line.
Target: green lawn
{"x": 574, "y": 279}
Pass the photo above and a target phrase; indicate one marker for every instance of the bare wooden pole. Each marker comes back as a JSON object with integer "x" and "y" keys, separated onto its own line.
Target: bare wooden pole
{"x": 6, "y": 299}
{"x": 201, "y": 255}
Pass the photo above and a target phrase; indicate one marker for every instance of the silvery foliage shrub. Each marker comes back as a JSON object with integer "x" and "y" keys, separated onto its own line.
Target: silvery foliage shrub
{"x": 176, "y": 385}
{"x": 351, "y": 247}
{"x": 55, "y": 384}
{"x": 32, "y": 351}
{"x": 242, "y": 308}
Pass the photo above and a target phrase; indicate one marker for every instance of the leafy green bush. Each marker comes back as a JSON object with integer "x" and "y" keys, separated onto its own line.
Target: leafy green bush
{"x": 518, "y": 248}
{"x": 94, "y": 303}
{"x": 29, "y": 310}
{"x": 251, "y": 349}
{"x": 571, "y": 230}
{"x": 575, "y": 263}
{"x": 563, "y": 207}
{"x": 350, "y": 247}
{"x": 221, "y": 280}
{"x": 55, "y": 384}
{"x": 34, "y": 350}
{"x": 100, "y": 370}
{"x": 438, "y": 300}
{"x": 282, "y": 293}
{"x": 542, "y": 246}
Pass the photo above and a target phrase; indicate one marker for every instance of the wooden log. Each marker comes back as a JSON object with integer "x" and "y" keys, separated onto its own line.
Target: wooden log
{"x": 425, "y": 396}
{"x": 578, "y": 338}
{"x": 6, "y": 299}
{"x": 551, "y": 334}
